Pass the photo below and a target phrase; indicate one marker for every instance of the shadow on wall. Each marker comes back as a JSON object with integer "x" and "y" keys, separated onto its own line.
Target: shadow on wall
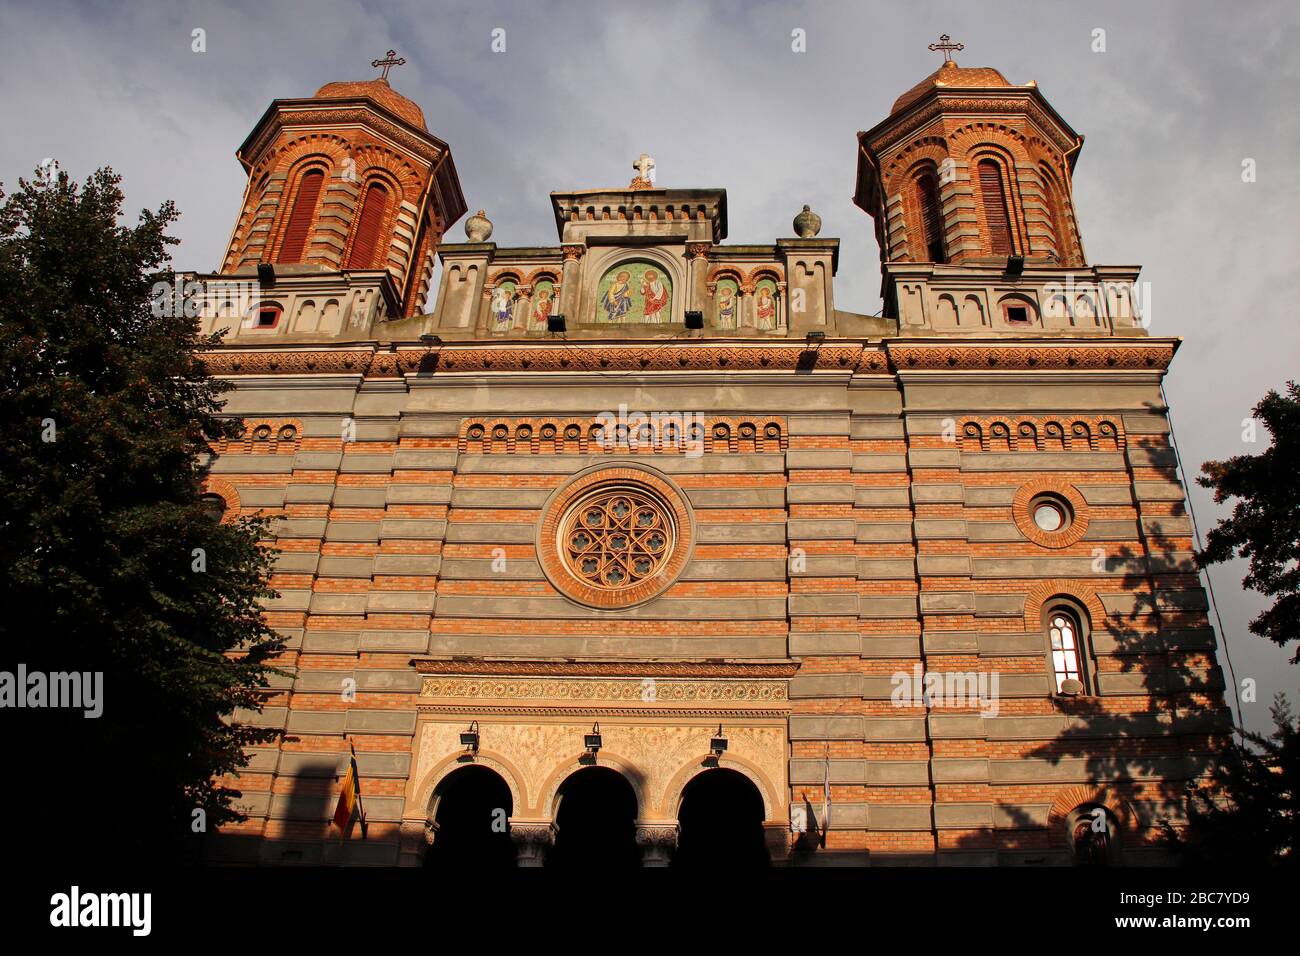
{"x": 1139, "y": 763}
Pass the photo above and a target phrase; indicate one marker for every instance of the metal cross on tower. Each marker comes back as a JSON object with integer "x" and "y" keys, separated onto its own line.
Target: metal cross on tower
{"x": 945, "y": 44}
{"x": 393, "y": 60}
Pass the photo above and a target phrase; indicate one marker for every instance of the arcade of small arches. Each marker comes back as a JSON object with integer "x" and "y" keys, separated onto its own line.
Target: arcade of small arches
{"x": 719, "y": 815}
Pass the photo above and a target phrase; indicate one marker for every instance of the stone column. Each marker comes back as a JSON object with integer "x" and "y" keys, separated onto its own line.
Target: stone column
{"x": 777, "y": 837}
{"x": 523, "y": 308}
{"x": 570, "y": 286}
{"x": 415, "y": 838}
{"x": 746, "y": 319}
{"x": 532, "y": 840}
{"x": 657, "y": 841}
{"x": 697, "y": 274}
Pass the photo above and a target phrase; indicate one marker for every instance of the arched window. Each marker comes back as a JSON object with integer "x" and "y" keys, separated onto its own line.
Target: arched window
{"x": 994, "y": 199}
{"x": 1065, "y": 649}
{"x": 368, "y": 225}
{"x": 298, "y": 229}
{"x": 214, "y": 506}
{"x": 1056, "y": 216}
{"x": 926, "y": 187}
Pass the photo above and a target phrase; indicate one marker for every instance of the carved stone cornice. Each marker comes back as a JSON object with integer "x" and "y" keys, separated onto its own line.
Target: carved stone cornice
{"x": 285, "y": 113}
{"x": 1022, "y": 101}
{"x": 676, "y": 713}
{"x": 594, "y": 692}
{"x": 790, "y": 355}
{"x": 1153, "y": 356}
{"x": 503, "y": 668}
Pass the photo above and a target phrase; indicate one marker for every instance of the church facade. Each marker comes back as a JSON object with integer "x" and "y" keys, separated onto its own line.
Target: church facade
{"x": 636, "y": 549}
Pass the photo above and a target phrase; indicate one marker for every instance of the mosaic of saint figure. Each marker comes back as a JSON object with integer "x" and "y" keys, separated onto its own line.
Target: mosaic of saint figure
{"x": 765, "y": 305}
{"x": 617, "y": 300}
{"x": 654, "y": 295}
{"x": 543, "y": 306}
{"x": 728, "y": 304}
{"x": 503, "y": 304}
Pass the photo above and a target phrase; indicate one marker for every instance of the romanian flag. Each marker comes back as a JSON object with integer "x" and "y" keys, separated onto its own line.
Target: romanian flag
{"x": 350, "y": 800}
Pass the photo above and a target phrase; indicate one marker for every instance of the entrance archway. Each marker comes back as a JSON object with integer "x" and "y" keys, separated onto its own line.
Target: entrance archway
{"x": 595, "y": 822}
{"x": 721, "y": 821}
{"x": 472, "y": 809}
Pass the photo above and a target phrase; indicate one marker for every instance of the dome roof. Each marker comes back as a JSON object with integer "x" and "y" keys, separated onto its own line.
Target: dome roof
{"x": 952, "y": 75}
{"x": 380, "y": 92}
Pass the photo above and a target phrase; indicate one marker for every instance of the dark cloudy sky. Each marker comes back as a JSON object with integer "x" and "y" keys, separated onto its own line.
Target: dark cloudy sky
{"x": 1183, "y": 93}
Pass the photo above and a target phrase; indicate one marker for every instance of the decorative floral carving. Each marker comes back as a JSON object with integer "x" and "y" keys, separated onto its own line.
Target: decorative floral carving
{"x": 590, "y": 691}
{"x": 774, "y": 356}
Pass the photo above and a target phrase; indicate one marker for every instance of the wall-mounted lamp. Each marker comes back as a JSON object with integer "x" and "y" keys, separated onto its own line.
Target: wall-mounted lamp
{"x": 469, "y": 738}
{"x": 1015, "y": 266}
{"x": 429, "y": 340}
{"x": 816, "y": 337}
{"x": 592, "y": 740}
{"x": 718, "y": 744}
{"x": 694, "y": 320}
{"x": 555, "y": 324}
{"x": 266, "y": 273}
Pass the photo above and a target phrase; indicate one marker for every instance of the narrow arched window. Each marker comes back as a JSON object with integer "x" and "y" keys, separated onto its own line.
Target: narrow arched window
{"x": 368, "y": 225}
{"x": 298, "y": 229}
{"x": 1065, "y": 643}
{"x": 1056, "y": 217}
{"x": 927, "y": 201}
{"x": 994, "y": 199}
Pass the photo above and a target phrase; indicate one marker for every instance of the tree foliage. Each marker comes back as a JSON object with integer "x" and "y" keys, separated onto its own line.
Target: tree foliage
{"x": 1246, "y": 814}
{"x": 1265, "y": 522}
{"x": 108, "y": 415}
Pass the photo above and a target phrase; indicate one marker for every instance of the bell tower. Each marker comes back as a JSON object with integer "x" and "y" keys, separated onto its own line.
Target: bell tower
{"x": 969, "y": 183}
{"x": 348, "y": 193}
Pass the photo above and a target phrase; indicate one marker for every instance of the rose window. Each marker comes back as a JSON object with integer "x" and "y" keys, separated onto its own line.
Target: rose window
{"x": 617, "y": 537}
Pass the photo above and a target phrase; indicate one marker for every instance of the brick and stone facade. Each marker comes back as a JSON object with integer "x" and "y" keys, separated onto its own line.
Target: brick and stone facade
{"x": 847, "y": 502}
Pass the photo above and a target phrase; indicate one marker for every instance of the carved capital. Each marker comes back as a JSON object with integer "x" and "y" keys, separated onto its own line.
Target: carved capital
{"x": 657, "y": 841}
{"x": 698, "y": 250}
{"x": 532, "y": 840}
{"x": 573, "y": 253}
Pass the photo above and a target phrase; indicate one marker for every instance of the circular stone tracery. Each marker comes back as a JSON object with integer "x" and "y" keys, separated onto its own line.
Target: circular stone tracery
{"x": 615, "y": 537}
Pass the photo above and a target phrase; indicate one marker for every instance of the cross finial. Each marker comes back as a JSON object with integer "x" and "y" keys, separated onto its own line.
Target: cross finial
{"x": 645, "y": 170}
{"x": 644, "y": 165}
{"x": 947, "y": 46}
{"x": 388, "y": 63}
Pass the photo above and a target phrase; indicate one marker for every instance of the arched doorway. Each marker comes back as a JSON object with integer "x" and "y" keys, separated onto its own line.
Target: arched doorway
{"x": 473, "y": 808}
{"x": 595, "y": 822}
{"x": 721, "y": 821}
{"x": 1093, "y": 835}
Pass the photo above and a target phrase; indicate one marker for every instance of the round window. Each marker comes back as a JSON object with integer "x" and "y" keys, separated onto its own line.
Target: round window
{"x": 615, "y": 537}
{"x": 1048, "y": 517}
{"x": 1050, "y": 514}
